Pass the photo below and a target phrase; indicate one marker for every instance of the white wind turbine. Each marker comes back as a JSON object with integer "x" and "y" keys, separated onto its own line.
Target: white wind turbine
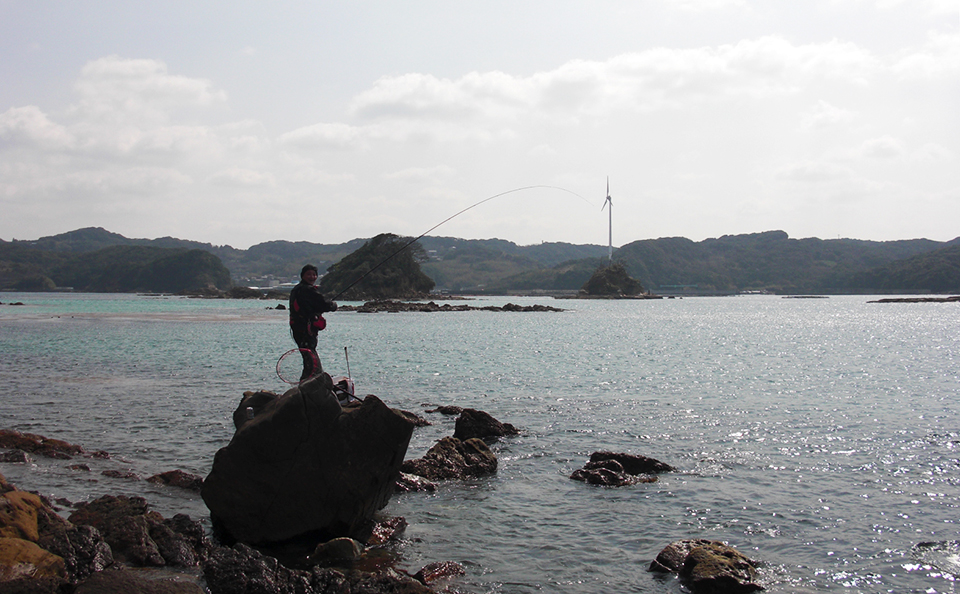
{"x": 609, "y": 201}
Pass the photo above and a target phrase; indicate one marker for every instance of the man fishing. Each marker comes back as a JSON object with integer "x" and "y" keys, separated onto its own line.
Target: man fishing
{"x": 307, "y": 306}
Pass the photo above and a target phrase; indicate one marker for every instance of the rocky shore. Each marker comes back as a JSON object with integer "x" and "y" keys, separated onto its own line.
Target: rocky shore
{"x": 293, "y": 499}
{"x": 391, "y": 306}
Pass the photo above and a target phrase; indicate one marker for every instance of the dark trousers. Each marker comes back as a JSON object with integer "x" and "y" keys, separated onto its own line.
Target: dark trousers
{"x": 308, "y": 350}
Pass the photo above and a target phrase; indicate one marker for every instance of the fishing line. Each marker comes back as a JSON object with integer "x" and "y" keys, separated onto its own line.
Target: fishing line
{"x": 422, "y": 235}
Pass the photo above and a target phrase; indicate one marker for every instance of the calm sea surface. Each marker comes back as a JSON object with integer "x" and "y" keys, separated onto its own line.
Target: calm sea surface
{"x": 820, "y": 436}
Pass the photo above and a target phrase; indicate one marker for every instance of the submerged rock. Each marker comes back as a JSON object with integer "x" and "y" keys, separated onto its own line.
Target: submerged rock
{"x": 302, "y": 465}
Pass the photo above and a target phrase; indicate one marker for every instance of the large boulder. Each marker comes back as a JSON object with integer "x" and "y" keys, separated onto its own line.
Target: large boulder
{"x": 708, "y": 567}
{"x": 477, "y": 423}
{"x": 304, "y": 466}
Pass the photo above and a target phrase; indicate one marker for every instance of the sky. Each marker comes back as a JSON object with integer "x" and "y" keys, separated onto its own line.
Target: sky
{"x": 237, "y": 123}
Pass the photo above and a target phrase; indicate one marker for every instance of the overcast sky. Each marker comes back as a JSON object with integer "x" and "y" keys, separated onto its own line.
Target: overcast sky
{"x": 243, "y": 122}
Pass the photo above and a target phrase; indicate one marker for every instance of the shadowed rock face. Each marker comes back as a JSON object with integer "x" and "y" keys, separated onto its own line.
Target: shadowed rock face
{"x": 303, "y": 465}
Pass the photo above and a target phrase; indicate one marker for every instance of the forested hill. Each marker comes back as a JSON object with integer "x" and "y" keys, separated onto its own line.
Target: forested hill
{"x": 769, "y": 261}
{"x": 772, "y": 261}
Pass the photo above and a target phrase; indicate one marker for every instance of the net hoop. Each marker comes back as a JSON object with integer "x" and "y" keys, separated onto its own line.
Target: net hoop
{"x": 286, "y": 362}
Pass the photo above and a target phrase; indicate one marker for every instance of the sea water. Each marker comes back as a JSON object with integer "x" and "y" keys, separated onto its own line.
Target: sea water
{"x": 818, "y": 436}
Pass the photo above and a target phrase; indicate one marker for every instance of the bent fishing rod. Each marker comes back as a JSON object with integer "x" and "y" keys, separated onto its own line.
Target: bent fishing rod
{"x": 422, "y": 235}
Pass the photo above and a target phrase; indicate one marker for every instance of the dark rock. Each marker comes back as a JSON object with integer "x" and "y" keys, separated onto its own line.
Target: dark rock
{"x": 476, "y": 423}
{"x": 414, "y": 418}
{"x": 447, "y": 410}
{"x": 439, "y": 571}
{"x": 617, "y": 470}
{"x": 121, "y": 474}
{"x": 34, "y": 586}
{"x": 451, "y": 458}
{"x": 15, "y": 457}
{"x": 82, "y": 548}
{"x": 304, "y": 465}
{"x": 118, "y": 581}
{"x": 141, "y": 537}
{"x": 387, "y": 530}
{"x": 610, "y": 478}
{"x": 709, "y": 567}
{"x": 37, "y": 444}
{"x": 409, "y": 483}
{"x": 633, "y": 464}
{"x": 241, "y": 569}
{"x": 178, "y": 478}
{"x": 338, "y": 549}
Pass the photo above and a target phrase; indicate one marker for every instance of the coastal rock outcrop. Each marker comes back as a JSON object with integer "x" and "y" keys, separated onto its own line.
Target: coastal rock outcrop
{"x": 451, "y": 458}
{"x": 141, "y": 537}
{"x": 243, "y": 569}
{"x": 612, "y": 469}
{"x": 476, "y": 423}
{"x": 302, "y": 465}
{"x": 708, "y": 566}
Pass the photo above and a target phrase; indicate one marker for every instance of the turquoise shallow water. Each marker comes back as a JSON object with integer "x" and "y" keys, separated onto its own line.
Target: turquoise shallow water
{"x": 820, "y": 436}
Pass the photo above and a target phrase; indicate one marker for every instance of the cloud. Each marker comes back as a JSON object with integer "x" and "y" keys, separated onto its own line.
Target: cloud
{"x": 938, "y": 58}
{"x": 330, "y": 136}
{"x": 884, "y": 147}
{"x": 825, "y": 115}
{"x": 30, "y": 126}
{"x": 814, "y": 172}
{"x": 239, "y": 177}
{"x": 118, "y": 89}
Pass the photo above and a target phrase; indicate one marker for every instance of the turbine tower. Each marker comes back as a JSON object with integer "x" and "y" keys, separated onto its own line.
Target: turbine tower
{"x": 609, "y": 202}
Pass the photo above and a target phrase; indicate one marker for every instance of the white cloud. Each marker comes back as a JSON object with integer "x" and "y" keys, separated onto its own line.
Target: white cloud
{"x": 825, "y": 115}
{"x": 811, "y": 172}
{"x": 239, "y": 177}
{"x": 119, "y": 89}
{"x": 30, "y": 126}
{"x": 939, "y": 58}
{"x": 884, "y": 147}
{"x": 333, "y": 136}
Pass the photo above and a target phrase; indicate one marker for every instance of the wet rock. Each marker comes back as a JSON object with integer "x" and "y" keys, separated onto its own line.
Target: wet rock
{"x": 387, "y": 530}
{"x": 121, "y": 474}
{"x": 451, "y": 458}
{"x": 39, "y": 445}
{"x": 447, "y": 410}
{"x": 617, "y": 470}
{"x": 942, "y": 555}
{"x": 338, "y": 549}
{"x": 476, "y": 423}
{"x": 82, "y": 548}
{"x": 15, "y": 457}
{"x": 242, "y": 569}
{"x": 139, "y": 536}
{"x": 633, "y": 464}
{"x": 118, "y": 581}
{"x": 440, "y": 571}
{"x": 304, "y": 465}
{"x": 708, "y": 567}
{"x": 178, "y": 478}
{"x": 411, "y": 483}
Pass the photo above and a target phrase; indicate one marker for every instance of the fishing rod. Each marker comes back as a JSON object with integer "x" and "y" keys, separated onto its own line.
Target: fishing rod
{"x": 422, "y": 235}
